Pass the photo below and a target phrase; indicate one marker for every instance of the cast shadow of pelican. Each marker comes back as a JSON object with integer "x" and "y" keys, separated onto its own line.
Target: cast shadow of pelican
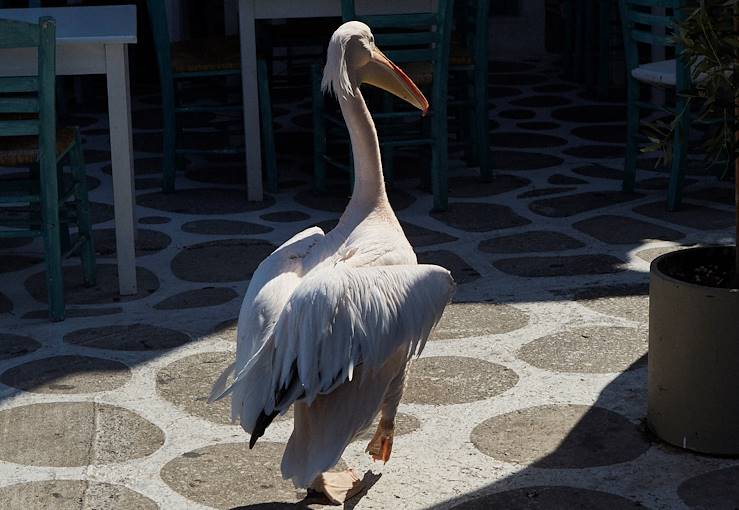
{"x": 314, "y": 500}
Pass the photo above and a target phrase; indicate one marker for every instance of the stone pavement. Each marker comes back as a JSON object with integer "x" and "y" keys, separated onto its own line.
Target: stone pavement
{"x": 531, "y": 394}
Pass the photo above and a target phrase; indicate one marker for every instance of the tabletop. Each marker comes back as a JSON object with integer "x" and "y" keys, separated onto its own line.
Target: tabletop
{"x": 106, "y": 24}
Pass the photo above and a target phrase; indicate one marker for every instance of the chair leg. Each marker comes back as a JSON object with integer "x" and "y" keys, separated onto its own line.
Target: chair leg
{"x": 319, "y": 132}
{"x": 52, "y": 241}
{"x": 440, "y": 159}
{"x": 604, "y": 12}
{"x": 87, "y": 250}
{"x": 482, "y": 123}
{"x": 169, "y": 138}
{"x": 632, "y": 133}
{"x": 679, "y": 155}
{"x": 268, "y": 137}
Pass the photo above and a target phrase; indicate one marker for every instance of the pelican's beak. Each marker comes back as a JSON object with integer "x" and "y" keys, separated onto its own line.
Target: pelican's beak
{"x": 383, "y": 73}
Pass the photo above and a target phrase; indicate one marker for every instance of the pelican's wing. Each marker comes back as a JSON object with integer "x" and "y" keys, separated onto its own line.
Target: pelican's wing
{"x": 341, "y": 316}
{"x": 269, "y": 289}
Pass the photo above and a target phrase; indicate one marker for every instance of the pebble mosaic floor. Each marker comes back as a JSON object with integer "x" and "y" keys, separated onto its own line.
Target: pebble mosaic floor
{"x": 531, "y": 394}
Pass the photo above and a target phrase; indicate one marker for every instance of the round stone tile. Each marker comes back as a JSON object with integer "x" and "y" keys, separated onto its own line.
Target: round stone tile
{"x": 226, "y": 330}
{"x": 225, "y": 260}
{"x": 625, "y": 301}
{"x": 285, "y": 216}
{"x": 420, "y": 236}
{"x": 147, "y": 183}
{"x": 225, "y": 228}
{"x": 67, "y": 374}
{"x": 505, "y": 160}
{"x": 496, "y": 92}
{"x": 606, "y": 133}
{"x": 599, "y": 171}
{"x": 624, "y": 230}
{"x": 208, "y": 296}
{"x": 520, "y": 140}
{"x": 596, "y": 151}
{"x": 560, "y": 437}
{"x": 715, "y": 194}
{"x": 472, "y": 186}
{"x": 464, "y": 320}
{"x": 141, "y": 166}
{"x": 571, "y": 265}
{"x": 187, "y": 383}
{"x": 507, "y": 66}
{"x": 689, "y": 215}
{"x": 541, "y": 101}
{"x": 479, "y": 217}
{"x": 230, "y": 475}
{"x": 73, "y": 434}
{"x": 569, "y": 205}
{"x": 133, "y": 337}
{"x": 527, "y": 242}
{"x": 517, "y": 114}
{"x": 148, "y": 242}
{"x": 461, "y": 271}
{"x": 72, "y": 495}
{"x": 12, "y": 346}
{"x": 550, "y": 498}
{"x": 660, "y": 183}
{"x": 6, "y": 305}
{"x": 443, "y": 380}
{"x": 14, "y": 262}
{"x": 203, "y": 201}
{"x": 565, "y": 180}
{"x": 538, "y": 125}
{"x": 100, "y": 213}
{"x": 73, "y": 313}
{"x": 104, "y": 291}
{"x": 154, "y": 220}
{"x": 336, "y": 198}
{"x": 542, "y": 192}
{"x": 519, "y": 79}
{"x": 554, "y": 87}
{"x": 717, "y": 490}
{"x": 592, "y": 350}
{"x": 591, "y": 113}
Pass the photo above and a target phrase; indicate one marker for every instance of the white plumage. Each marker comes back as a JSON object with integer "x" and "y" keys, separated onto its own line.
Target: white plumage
{"x": 330, "y": 321}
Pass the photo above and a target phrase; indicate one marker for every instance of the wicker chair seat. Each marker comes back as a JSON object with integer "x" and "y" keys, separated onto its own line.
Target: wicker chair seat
{"x": 208, "y": 54}
{"x": 23, "y": 150}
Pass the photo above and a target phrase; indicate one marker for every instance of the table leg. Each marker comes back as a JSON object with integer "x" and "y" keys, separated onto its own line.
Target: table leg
{"x": 250, "y": 93}
{"x": 121, "y": 155}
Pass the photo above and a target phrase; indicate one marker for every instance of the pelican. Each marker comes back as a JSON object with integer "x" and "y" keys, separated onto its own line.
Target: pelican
{"x": 330, "y": 322}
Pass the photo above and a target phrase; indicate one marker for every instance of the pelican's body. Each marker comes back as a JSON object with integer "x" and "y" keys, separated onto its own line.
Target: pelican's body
{"x": 330, "y": 321}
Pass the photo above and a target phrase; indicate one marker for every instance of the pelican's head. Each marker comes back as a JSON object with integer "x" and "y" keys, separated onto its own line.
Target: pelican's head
{"x": 353, "y": 59}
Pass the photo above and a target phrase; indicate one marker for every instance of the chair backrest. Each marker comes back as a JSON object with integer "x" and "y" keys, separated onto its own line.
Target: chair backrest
{"x": 471, "y": 25}
{"x": 412, "y": 37}
{"x": 27, "y": 102}
{"x": 650, "y": 23}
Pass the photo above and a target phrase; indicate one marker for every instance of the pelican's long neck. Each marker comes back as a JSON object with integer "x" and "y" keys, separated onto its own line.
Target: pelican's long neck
{"x": 369, "y": 185}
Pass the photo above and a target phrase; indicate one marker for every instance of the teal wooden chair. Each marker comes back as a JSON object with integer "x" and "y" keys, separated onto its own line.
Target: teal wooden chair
{"x": 420, "y": 44}
{"x": 468, "y": 62}
{"x": 42, "y": 202}
{"x": 203, "y": 58}
{"x": 641, "y": 26}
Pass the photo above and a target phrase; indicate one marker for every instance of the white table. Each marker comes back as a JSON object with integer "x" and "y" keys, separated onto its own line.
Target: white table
{"x": 252, "y": 10}
{"x": 94, "y": 40}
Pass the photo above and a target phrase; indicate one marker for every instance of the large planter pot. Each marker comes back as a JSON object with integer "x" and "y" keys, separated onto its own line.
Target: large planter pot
{"x": 693, "y": 376}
